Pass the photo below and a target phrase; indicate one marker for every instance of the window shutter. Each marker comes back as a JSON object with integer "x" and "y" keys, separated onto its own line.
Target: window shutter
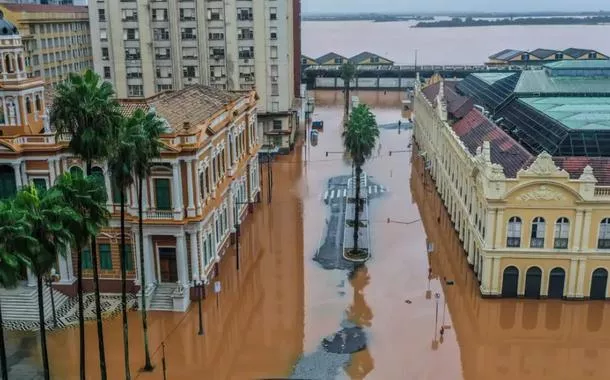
{"x": 162, "y": 193}
{"x": 105, "y": 256}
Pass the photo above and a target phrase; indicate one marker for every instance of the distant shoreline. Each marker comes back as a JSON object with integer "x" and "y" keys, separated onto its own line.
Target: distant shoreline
{"x": 470, "y": 22}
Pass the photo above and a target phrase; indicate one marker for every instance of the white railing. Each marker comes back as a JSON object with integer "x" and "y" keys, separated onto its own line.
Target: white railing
{"x": 602, "y": 191}
{"x": 159, "y": 214}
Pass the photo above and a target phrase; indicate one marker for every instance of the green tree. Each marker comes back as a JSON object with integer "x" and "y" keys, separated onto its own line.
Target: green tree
{"x": 347, "y": 72}
{"x": 121, "y": 164}
{"x": 147, "y": 149}
{"x": 86, "y": 111}
{"x": 359, "y": 140}
{"x": 49, "y": 217}
{"x": 87, "y": 197}
{"x": 15, "y": 238}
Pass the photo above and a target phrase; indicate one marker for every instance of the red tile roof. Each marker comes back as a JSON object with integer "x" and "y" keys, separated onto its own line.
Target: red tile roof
{"x": 474, "y": 128}
{"x": 45, "y": 8}
{"x": 457, "y": 105}
{"x": 575, "y": 165}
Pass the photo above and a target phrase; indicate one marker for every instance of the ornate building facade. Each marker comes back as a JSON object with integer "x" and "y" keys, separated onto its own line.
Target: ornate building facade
{"x": 198, "y": 193}
{"x": 532, "y": 224}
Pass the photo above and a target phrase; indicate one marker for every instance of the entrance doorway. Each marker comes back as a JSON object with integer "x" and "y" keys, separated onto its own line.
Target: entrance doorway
{"x": 556, "y": 283}
{"x": 533, "y": 279}
{"x": 167, "y": 264}
{"x": 510, "y": 281}
{"x": 599, "y": 281}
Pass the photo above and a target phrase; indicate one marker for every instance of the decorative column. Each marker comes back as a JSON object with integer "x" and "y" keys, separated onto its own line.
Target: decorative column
{"x": 489, "y": 228}
{"x": 577, "y": 230}
{"x": 181, "y": 260}
{"x": 194, "y": 255}
{"x": 52, "y": 174}
{"x": 189, "y": 183}
{"x": 572, "y": 273}
{"x": 585, "y": 230}
{"x": 177, "y": 191}
{"x": 17, "y": 170}
{"x": 495, "y": 277}
{"x": 580, "y": 280}
{"x": 197, "y": 191}
{"x": 148, "y": 261}
{"x": 498, "y": 229}
{"x": 485, "y": 275}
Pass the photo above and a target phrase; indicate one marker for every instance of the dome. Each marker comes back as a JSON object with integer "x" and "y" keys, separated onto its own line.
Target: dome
{"x": 6, "y": 27}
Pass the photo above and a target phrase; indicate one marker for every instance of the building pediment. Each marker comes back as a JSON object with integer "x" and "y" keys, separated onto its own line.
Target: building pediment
{"x": 543, "y": 166}
{"x": 543, "y": 194}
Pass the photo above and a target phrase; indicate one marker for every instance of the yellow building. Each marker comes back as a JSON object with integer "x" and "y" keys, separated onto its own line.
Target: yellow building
{"x": 197, "y": 194}
{"x": 56, "y": 38}
{"x": 526, "y": 183}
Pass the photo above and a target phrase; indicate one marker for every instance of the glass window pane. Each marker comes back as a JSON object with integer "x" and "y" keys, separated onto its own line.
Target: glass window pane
{"x": 162, "y": 194}
{"x": 105, "y": 256}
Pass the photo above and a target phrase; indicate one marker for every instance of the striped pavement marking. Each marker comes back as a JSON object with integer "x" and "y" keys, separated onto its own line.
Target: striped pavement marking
{"x": 342, "y": 193}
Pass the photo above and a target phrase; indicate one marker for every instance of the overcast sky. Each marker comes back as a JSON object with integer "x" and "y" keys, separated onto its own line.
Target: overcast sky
{"x": 350, "y": 6}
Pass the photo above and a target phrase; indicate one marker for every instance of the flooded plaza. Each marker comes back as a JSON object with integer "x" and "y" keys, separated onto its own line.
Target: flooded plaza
{"x": 271, "y": 316}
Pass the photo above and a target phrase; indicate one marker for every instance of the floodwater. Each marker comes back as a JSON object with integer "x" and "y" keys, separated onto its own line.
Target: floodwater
{"x": 398, "y": 41}
{"x": 281, "y": 304}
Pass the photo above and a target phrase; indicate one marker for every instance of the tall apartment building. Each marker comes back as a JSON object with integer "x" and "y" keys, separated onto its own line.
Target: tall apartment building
{"x": 149, "y": 46}
{"x": 56, "y": 38}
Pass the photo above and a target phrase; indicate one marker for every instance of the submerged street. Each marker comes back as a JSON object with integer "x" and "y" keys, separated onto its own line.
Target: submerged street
{"x": 271, "y": 316}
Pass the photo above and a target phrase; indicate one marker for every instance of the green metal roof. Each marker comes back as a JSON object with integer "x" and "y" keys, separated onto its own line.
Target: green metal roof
{"x": 491, "y": 78}
{"x": 587, "y": 113}
{"x": 579, "y": 64}
{"x": 539, "y": 82}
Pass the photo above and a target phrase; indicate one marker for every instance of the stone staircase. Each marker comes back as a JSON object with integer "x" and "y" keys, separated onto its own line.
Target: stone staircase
{"x": 162, "y": 299}
{"x": 21, "y": 303}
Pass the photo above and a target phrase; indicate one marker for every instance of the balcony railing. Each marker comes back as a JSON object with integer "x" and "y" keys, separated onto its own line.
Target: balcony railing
{"x": 602, "y": 191}
{"x": 513, "y": 242}
{"x": 159, "y": 214}
{"x": 560, "y": 243}
{"x": 603, "y": 243}
{"x": 537, "y": 243}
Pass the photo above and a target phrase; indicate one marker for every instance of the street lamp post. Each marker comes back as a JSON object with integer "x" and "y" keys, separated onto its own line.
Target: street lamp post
{"x": 49, "y": 280}
{"x": 237, "y": 230}
{"x": 199, "y": 286}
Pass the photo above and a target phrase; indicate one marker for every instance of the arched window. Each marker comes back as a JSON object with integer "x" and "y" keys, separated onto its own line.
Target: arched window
{"x": 75, "y": 170}
{"x": 7, "y": 64}
{"x": 537, "y": 235}
{"x": 562, "y": 232}
{"x": 20, "y": 63}
{"x": 513, "y": 235}
{"x": 28, "y": 105}
{"x": 8, "y": 182}
{"x": 98, "y": 172}
{"x": 38, "y": 103}
{"x": 603, "y": 240}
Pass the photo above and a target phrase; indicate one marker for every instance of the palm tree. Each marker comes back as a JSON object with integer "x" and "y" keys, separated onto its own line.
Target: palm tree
{"x": 87, "y": 197}
{"x": 86, "y": 110}
{"x": 359, "y": 140}
{"x": 121, "y": 164}
{"x": 148, "y": 148}
{"x": 49, "y": 217}
{"x": 14, "y": 238}
{"x": 347, "y": 72}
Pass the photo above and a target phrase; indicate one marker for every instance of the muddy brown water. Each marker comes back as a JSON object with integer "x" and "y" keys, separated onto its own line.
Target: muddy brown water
{"x": 281, "y": 303}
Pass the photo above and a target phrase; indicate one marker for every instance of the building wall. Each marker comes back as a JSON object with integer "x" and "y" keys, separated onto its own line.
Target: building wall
{"x": 56, "y": 43}
{"x": 481, "y": 200}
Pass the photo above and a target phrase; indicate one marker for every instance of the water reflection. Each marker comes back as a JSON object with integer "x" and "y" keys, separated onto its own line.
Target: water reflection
{"x": 507, "y": 338}
{"x": 360, "y": 314}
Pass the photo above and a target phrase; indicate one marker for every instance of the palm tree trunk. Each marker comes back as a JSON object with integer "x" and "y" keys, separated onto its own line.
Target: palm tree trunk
{"x": 124, "y": 287}
{"x": 3, "y": 361}
{"x": 81, "y": 311}
{"x": 357, "y": 208}
{"x": 147, "y": 364}
{"x": 98, "y": 302}
{"x": 347, "y": 100}
{"x": 43, "y": 329}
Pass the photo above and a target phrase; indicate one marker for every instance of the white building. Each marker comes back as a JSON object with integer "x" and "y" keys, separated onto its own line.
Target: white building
{"x": 148, "y": 46}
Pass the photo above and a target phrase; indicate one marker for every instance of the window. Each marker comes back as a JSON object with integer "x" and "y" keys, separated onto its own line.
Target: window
{"x": 603, "y": 240}
{"x": 164, "y": 87}
{"x": 215, "y": 14}
{"x": 245, "y": 34}
{"x": 537, "y": 235}
{"x": 338, "y": 61}
{"x": 134, "y": 72}
{"x": 277, "y": 124}
{"x": 162, "y": 194}
{"x": 28, "y": 105}
{"x": 592, "y": 55}
{"x": 130, "y": 15}
{"x": 217, "y": 53}
{"x": 275, "y": 90}
{"x": 164, "y": 72}
{"x": 216, "y": 35}
{"x": 128, "y": 257}
{"x": 105, "y": 257}
{"x": 107, "y": 72}
{"x": 101, "y": 15}
{"x": 273, "y": 51}
{"x": 159, "y": 14}
{"x": 559, "y": 56}
{"x": 116, "y": 193}
{"x": 131, "y": 34}
{"x": 103, "y": 35}
{"x": 189, "y": 71}
{"x": 525, "y": 57}
{"x": 86, "y": 260}
{"x": 189, "y": 52}
{"x": 246, "y": 52}
{"x": 513, "y": 236}
{"x": 273, "y": 33}
{"x": 562, "y": 231}
{"x": 187, "y": 14}
{"x": 40, "y": 184}
{"x": 161, "y": 34}
{"x": 210, "y": 251}
{"x": 217, "y": 71}
{"x": 244, "y": 14}
{"x": 188, "y": 33}
{"x": 273, "y": 13}
{"x": 132, "y": 54}
{"x": 135, "y": 90}
{"x": 162, "y": 53}
{"x": 105, "y": 54}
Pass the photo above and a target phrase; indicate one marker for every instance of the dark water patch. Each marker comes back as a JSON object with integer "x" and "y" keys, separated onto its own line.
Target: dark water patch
{"x": 346, "y": 341}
